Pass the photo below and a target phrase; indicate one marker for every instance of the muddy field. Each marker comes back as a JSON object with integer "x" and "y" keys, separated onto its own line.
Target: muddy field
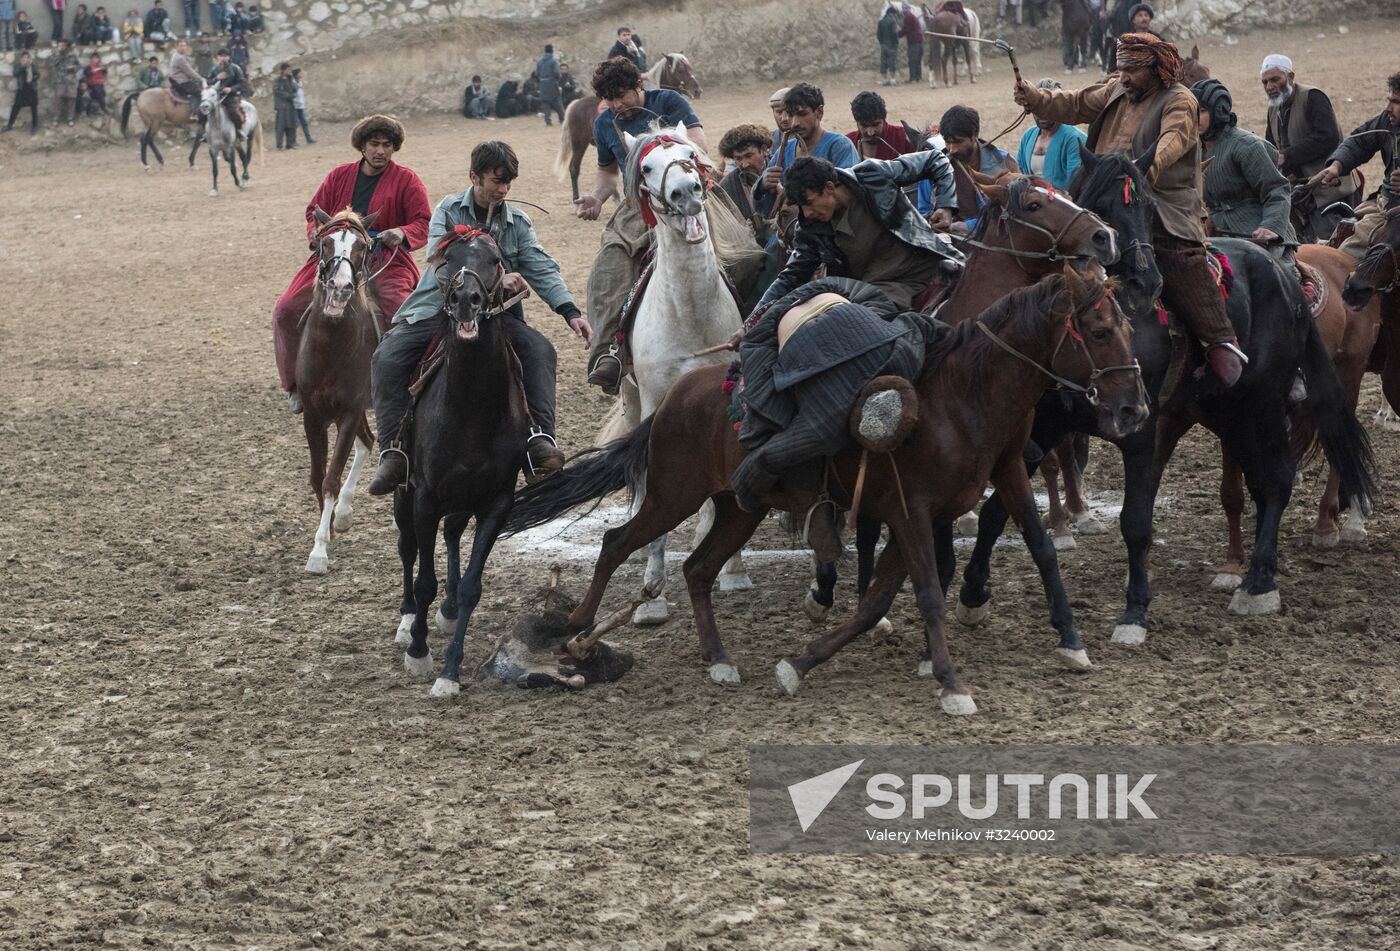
{"x": 205, "y": 746}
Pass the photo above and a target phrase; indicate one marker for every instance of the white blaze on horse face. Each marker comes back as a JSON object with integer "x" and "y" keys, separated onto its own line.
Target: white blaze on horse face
{"x": 1057, "y": 195}
{"x": 341, "y": 283}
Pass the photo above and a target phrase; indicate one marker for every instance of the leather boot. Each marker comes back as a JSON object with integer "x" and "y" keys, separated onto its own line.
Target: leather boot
{"x": 607, "y": 372}
{"x": 542, "y": 457}
{"x": 392, "y": 472}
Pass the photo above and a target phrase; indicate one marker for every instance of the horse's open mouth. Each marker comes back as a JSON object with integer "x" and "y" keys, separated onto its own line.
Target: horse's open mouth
{"x": 335, "y": 306}
{"x": 467, "y": 330}
{"x": 693, "y": 227}
{"x": 1090, "y": 268}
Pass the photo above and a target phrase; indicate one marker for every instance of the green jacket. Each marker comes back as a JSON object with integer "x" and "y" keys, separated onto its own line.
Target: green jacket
{"x": 284, "y": 92}
{"x": 1243, "y": 187}
{"x": 520, "y": 252}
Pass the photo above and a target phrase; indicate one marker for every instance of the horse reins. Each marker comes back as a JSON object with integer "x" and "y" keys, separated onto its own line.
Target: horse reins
{"x": 495, "y": 294}
{"x": 1053, "y": 254}
{"x": 1090, "y": 392}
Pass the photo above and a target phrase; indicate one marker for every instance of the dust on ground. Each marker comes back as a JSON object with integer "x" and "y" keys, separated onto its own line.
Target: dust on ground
{"x": 204, "y": 746}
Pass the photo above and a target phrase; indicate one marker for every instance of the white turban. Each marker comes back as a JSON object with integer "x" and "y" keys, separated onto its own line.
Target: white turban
{"x": 1276, "y": 61}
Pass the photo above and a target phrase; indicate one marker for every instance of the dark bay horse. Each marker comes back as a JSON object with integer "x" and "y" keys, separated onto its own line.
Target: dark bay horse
{"x": 1267, "y": 309}
{"x": 974, "y": 419}
{"x": 337, "y": 341}
{"x": 948, "y": 20}
{"x": 468, "y": 441}
{"x": 672, "y": 71}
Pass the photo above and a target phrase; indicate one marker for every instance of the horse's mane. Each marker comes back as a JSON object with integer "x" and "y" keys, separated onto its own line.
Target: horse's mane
{"x": 1025, "y": 311}
{"x": 731, "y": 236}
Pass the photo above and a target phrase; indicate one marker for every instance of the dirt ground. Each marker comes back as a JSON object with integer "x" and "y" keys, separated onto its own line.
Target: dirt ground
{"x": 206, "y": 747}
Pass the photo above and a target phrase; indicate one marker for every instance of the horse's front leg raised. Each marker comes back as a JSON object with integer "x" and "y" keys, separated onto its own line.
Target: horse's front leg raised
{"x": 488, "y": 529}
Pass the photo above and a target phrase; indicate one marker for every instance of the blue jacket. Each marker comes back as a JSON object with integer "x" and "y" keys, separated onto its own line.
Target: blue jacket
{"x": 1061, "y": 157}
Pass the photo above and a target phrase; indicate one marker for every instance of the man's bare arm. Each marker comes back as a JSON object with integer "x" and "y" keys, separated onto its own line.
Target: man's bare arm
{"x": 590, "y": 206}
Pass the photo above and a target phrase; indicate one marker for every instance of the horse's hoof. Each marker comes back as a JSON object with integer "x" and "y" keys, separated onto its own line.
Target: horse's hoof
{"x": 1073, "y": 659}
{"x": 813, "y": 608}
{"x": 1353, "y": 531}
{"x": 404, "y": 635}
{"x": 1065, "y": 543}
{"x": 970, "y": 616}
{"x": 1387, "y": 419}
{"x": 445, "y": 624}
{"x": 1251, "y": 604}
{"x": 1325, "y": 540}
{"x": 724, "y": 674}
{"x": 419, "y": 667}
{"x": 213, "y": 193}
{"x": 966, "y": 525}
{"x": 146, "y": 169}
{"x": 442, "y": 687}
{"x": 651, "y": 613}
{"x": 1226, "y": 581}
{"x": 957, "y": 704}
{"x": 925, "y": 668}
{"x": 1130, "y": 634}
{"x": 1087, "y": 523}
{"x": 882, "y": 626}
{"x": 788, "y": 677}
{"x": 318, "y": 564}
{"x": 728, "y": 583}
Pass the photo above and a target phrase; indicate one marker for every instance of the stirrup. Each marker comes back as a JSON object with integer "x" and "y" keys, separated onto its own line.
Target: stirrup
{"x": 536, "y": 433}
{"x": 611, "y": 389}
{"x": 1244, "y": 358}
{"x": 824, "y": 499}
{"x": 407, "y": 462}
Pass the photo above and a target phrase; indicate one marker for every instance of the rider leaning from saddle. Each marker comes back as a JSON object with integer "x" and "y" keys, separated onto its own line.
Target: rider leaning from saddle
{"x": 1146, "y": 108}
{"x": 228, "y": 77}
{"x": 626, "y": 238}
{"x": 857, "y": 223}
{"x": 1381, "y": 134}
{"x": 482, "y": 206}
{"x": 1245, "y": 192}
{"x": 374, "y": 184}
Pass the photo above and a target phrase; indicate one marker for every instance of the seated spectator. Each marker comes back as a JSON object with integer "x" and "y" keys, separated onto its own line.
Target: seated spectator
{"x": 477, "y": 101}
{"x": 531, "y": 91}
{"x": 874, "y": 137}
{"x": 255, "y": 20}
{"x": 132, "y": 30}
{"x": 95, "y": 80}
{"x": 151, "y": 77}
{"x": 568, "y": 85}
{"x": 82, "y": 26}
{"x": 158, "y": 25}
{"x": 237, "y": 20}
{"x": 25, "y": 34}
{"x": 101, "y": 26}
{"x": 509, "y": 100}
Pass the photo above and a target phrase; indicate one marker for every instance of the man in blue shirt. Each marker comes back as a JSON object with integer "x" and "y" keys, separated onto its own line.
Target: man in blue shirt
{"x": 803, "y": 108}
{"x": 625, "y": 240}
{"x": 961, "y": 128}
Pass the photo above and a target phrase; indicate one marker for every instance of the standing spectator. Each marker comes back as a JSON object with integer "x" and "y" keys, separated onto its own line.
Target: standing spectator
{"x": 191, "y": 8}
{"x": 151, "y": 77}
{"x": 547, "y": 72}
{"x": 1050, "y": 149}
{"x": 101, "y": 26}
{"x": 284, "y": 94}
{"x": 255, "y": 20}
{"x": 629, "y": 45}
{"x": 238, "y": 51}
{"x": 7, "y": 25}
{"x": 56, "y": 12}
{"x": 887, "y": 33}
{"x": 477, "y": 102}
{"x": 203, "y": 55}
{"x": 95, "y": 79}
{"x": 237, "y": 20}
{"x": 218, "y": 17}
{"x": 132, "y": 30}
{"x": 158, "y": 25}
{"x": 25, "y": 34}
{"x": 913, "y": 32}
{"x": 64, "y": 74}
{"x": 568, "y": 85}
{"x": 26, "y": 91}
{"x": 299, "y": 103}
{"x": 82, "y": 26}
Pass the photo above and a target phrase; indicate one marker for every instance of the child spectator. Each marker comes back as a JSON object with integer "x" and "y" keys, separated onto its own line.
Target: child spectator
{"x": 101, "y": 26}
{"x": 299, "y": 102}
{"x": 255, "y": 19}
{"x": 203, "y": 55}
{"x": 95, "y": 79}
{"x": 26, "y": 91}
{"x": 25, "y": 34}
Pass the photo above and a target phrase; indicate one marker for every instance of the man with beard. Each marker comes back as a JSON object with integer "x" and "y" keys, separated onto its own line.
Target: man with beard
{"x": 1304, "y": 129}
{"x": 373, "y": 184}
{"x": 1145, "y": 108}
{"x": 1381, "y": 134}
{"x": 746, "y": 149}
{"x": 961, "y": 128}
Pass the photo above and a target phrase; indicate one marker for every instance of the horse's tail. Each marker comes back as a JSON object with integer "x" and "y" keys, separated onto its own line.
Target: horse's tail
{"x": 126, "y": 110}
{"x": 1330, "y": 421}
{"x": 257, "y": 136}
{"x": 589, "y": 476}
{"x": 566, "y": 144}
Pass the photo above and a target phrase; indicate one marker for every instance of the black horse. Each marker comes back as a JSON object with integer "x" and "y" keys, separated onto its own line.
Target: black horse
{"x": 468, "y": 440}
{"x": 1272, "y": 320}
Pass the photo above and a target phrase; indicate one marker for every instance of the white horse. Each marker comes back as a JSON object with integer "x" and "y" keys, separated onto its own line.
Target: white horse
{"x": 225, "y": 141}
{"x": 687, "y": 307}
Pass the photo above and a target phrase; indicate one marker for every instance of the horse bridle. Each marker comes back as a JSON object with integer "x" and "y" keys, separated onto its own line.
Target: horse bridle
{"x": 685, "y": 164}
{"x": 1090, "y": 392}
{"x": 494, "y": 299}
{"x": 1053, "y": 254}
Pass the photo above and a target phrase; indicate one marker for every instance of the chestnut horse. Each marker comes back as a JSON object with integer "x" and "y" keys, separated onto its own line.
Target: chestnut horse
{"x": 673, "y": 71}
{"x": 944, "y": 22}
{"x": 338, "y": 339}
{"x": 974, "y": 410}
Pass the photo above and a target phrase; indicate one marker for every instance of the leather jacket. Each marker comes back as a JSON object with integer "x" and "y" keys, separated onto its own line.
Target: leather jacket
{"x": 879, "y": 184}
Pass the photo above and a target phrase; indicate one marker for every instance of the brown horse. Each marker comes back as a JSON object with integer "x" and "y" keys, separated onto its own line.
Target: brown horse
{"x": 1378, "y": 275}
{"x": 672, "y": 71}
{"x": 948, "y": 21}
{"x": 1192, "y": 69}
{"x": 974, "y": 419}
{"x": 159, "y": 110}
{"x": 339, "y": 338}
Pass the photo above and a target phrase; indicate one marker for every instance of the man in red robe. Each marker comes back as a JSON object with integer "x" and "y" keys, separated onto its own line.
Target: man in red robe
{"x": 375, "y": 184}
